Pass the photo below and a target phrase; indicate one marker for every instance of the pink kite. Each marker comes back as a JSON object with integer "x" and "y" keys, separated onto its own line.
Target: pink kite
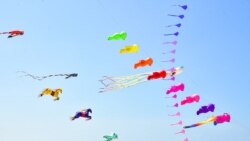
{"x": 175, "y": 105}
{"x": 176, "y": 88}
{"x": 181, "y": 132}
{"x": 222, "y": 118}
{"x": 174, "y": 96}
{"x": 178, "y": 123}
{"x": 177, "y": 114}
{"x": 191, "y": 99}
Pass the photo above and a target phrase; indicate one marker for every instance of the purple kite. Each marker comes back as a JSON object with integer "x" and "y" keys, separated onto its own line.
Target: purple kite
{"x": 171, "y": 60}
{"x": 206, "y": 109}
{"x": 172, "y": 43}
{"x": 175, "y": 34}
{"x": 177, "y": 25}
{"x": 179, "y": 16}
{"x": 184, "y": 7}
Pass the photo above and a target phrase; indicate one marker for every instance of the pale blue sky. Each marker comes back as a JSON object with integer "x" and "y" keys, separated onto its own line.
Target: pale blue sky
{"x": 70, "y": 36}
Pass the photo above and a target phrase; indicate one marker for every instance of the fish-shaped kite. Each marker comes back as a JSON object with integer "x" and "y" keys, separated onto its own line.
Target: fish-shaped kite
{"x": 130, "y": 49}
{"x": 118, "y": 36}
{"x": 142, "y": 63}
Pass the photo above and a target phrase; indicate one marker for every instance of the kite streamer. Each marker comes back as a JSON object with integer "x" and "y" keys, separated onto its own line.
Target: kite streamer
{"x": 215, "y": 119}
{"x": 67, "y": 76}
{"x": 119, "y": 82}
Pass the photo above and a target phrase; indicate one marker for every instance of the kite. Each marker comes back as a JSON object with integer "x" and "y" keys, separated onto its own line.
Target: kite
{"x": 172, "y": 51}
{"x": 130, "y": 49}
{"x": 212, "y": 119}
{"x": 215, "y": 119}
{"x": 118, "y": 36}
{"x": 110, "y": 137}
{"x": 177, "y": 25}
{"x": 175, "y": 34}
{"x": 191, "y": 99}
{"x": 186, "y": 139}
{"x": 172, "y": 78}
{"x": 175, "y": 115}
{"x": 222, "y": 118}
{"x": 171, "y": 60}
{"x": 54, "y": 93}
{"x": 83, "y": 113}
{"x": 179, "y": 16}
{"x": 174, "y": 96}
{"x": 115, "y": 83}
{"x": 181, "y": 132}
{"x": 14, "y": 33}
{"x": 67, "y": 76}
{"x": 172, "y": 43}
{"x": 175, "y": 105}
{"x": 206, "y": 109}
{"x": 184, "y": 7}
{"x": 176, "y": 88}
{"x": 157, "y": 75}
{"x": 178, "y": 123}
{"x": 142, "y": 63}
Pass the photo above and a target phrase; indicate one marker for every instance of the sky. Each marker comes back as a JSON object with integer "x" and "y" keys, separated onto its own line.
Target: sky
{"x": 71, "y": 37}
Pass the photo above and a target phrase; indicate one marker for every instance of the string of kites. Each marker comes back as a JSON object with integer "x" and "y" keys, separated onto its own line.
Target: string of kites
{"x": 195, "y": 98}
{"x": 111, "y": 83}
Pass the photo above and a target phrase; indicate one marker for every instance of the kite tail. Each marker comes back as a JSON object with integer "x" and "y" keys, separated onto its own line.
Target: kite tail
{"x": 191, "y": 126}
{"x": 4, "y": 33}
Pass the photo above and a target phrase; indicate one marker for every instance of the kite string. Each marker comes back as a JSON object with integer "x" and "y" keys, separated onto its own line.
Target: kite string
{"x": 113, "y": 18}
